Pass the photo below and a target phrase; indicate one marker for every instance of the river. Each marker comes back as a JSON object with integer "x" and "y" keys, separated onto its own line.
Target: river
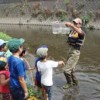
{"x": 87, "y": 69}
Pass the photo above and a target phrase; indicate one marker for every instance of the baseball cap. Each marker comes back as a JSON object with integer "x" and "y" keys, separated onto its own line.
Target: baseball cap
{"x": 3, "y": 59}
{"x": 77, "y": 20}
{"x": 3, "y": 62}
{"x": 42, "y": 51}
{"x": 2, "y": 42}
{"x": 15, "y": 43}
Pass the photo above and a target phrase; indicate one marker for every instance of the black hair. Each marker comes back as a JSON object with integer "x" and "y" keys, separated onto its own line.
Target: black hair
{"x": 23, "y": 52}
{"x": 2, "y": 65}
{"x": 2, "y": 46}
{"x": 13, "y": 51}
{"x": 42, "y": 58}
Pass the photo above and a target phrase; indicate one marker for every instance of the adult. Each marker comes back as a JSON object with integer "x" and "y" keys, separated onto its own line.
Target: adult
{"x": 75, "y": 41}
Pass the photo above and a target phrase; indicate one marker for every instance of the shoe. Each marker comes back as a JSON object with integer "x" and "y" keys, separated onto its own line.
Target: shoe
{"x": 66, "y": 86}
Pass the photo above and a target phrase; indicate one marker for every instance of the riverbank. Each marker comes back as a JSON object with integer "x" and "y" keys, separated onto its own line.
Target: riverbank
{"x": 94, "y": 25}
{"x": 25, "y": 21}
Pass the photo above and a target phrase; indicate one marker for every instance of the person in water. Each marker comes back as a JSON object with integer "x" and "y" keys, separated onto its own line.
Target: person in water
{"x": 75, "y": 41}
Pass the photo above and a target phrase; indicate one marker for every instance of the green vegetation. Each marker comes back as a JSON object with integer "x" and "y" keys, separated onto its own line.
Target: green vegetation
{"x": 87, "y": 18}
{"x": 4, "y": 36}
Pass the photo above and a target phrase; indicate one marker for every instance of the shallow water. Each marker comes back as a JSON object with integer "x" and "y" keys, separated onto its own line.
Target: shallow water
{"x": 87, "y": 69}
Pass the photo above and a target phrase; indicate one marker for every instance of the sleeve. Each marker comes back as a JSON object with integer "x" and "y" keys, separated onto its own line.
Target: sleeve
{"x": 38, "y": 68}
{"x": 21, "y": 69}
{"x": 54, "y": 64}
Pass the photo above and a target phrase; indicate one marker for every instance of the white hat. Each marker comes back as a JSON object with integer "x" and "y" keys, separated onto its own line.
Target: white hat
{"x": 2, "y": 42}
{"x": 42, "y": 51}
{"x": 77, "y": 20}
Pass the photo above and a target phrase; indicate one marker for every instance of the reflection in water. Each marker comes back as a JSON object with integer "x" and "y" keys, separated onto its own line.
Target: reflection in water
{"x": 88, "y": 68}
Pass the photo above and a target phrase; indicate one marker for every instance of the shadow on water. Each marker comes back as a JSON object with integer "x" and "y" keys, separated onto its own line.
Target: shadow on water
{"x": 88, "y": 68}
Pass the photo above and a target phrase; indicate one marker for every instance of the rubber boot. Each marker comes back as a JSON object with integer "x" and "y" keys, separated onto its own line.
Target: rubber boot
{"x": 74, "y": 80}
{"x": 69, "y": 80}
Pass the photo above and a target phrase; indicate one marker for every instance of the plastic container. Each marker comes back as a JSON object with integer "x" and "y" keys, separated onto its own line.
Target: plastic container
{"x": 55, "y": 27}
{"x": 60, "y": 28}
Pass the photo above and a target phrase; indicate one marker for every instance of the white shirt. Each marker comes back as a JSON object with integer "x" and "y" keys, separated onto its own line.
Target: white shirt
{"x": 46, "y": 69}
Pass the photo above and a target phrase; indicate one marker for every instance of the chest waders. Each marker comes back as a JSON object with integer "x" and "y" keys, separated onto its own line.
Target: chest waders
{"x": 75, "y": 41}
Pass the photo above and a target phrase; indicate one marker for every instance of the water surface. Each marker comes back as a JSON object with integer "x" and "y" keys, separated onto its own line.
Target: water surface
{"x": 87, "y": 69}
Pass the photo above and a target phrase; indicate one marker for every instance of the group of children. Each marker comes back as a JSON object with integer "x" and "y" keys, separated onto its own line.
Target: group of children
{"x": 43, "y": 66}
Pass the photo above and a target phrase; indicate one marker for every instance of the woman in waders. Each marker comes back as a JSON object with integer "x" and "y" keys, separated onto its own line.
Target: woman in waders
{"x": 75, "y": 41}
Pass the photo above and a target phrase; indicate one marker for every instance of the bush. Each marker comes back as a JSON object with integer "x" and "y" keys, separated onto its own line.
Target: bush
{"x": 4, "y": 36}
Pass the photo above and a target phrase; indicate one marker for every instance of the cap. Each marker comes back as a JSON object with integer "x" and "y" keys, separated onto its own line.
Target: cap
{"x": 77, "y": 20}
{"x": 3, "y": 62}
{"x": 15, "y": 43}
{"x": 2, "y": 42}
{"x": 3, "y": 59}
{"x": 42, "y": 51}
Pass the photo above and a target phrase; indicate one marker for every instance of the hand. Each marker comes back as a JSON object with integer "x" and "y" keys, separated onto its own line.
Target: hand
{"x": 69, "y": 24}
{"x": 26, "y": 95}
{"x": 61, "y": 63}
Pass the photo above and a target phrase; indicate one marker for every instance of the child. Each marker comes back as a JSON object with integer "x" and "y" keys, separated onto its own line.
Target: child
{"x": 46, "y": 68}
{"x": 4, "y": 79}
{"x": 3, "y": 47}
{"x": 18, "y": 87}
{"x": 22, "y": 56}
{"x": 29, "y": 75}
{"x": 38, "y": 74}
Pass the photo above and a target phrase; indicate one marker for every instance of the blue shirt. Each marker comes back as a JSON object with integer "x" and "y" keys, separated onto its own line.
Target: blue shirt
{"x": 16, "y": 68}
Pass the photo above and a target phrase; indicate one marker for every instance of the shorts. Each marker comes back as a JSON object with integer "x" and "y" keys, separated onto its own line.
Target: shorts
{"x": 49, "y": 91}
{"x": 17, "y": 94}
{"x": 38, "y": 83}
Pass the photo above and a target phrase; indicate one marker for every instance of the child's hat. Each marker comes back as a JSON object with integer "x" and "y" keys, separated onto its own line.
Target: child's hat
{"x": 3, "y": 59}
{"x": 42, "y": 51}
{"x": 3, "y": 62}
{"x": 15, "y": 43}
{"x": 2, "y": 42}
